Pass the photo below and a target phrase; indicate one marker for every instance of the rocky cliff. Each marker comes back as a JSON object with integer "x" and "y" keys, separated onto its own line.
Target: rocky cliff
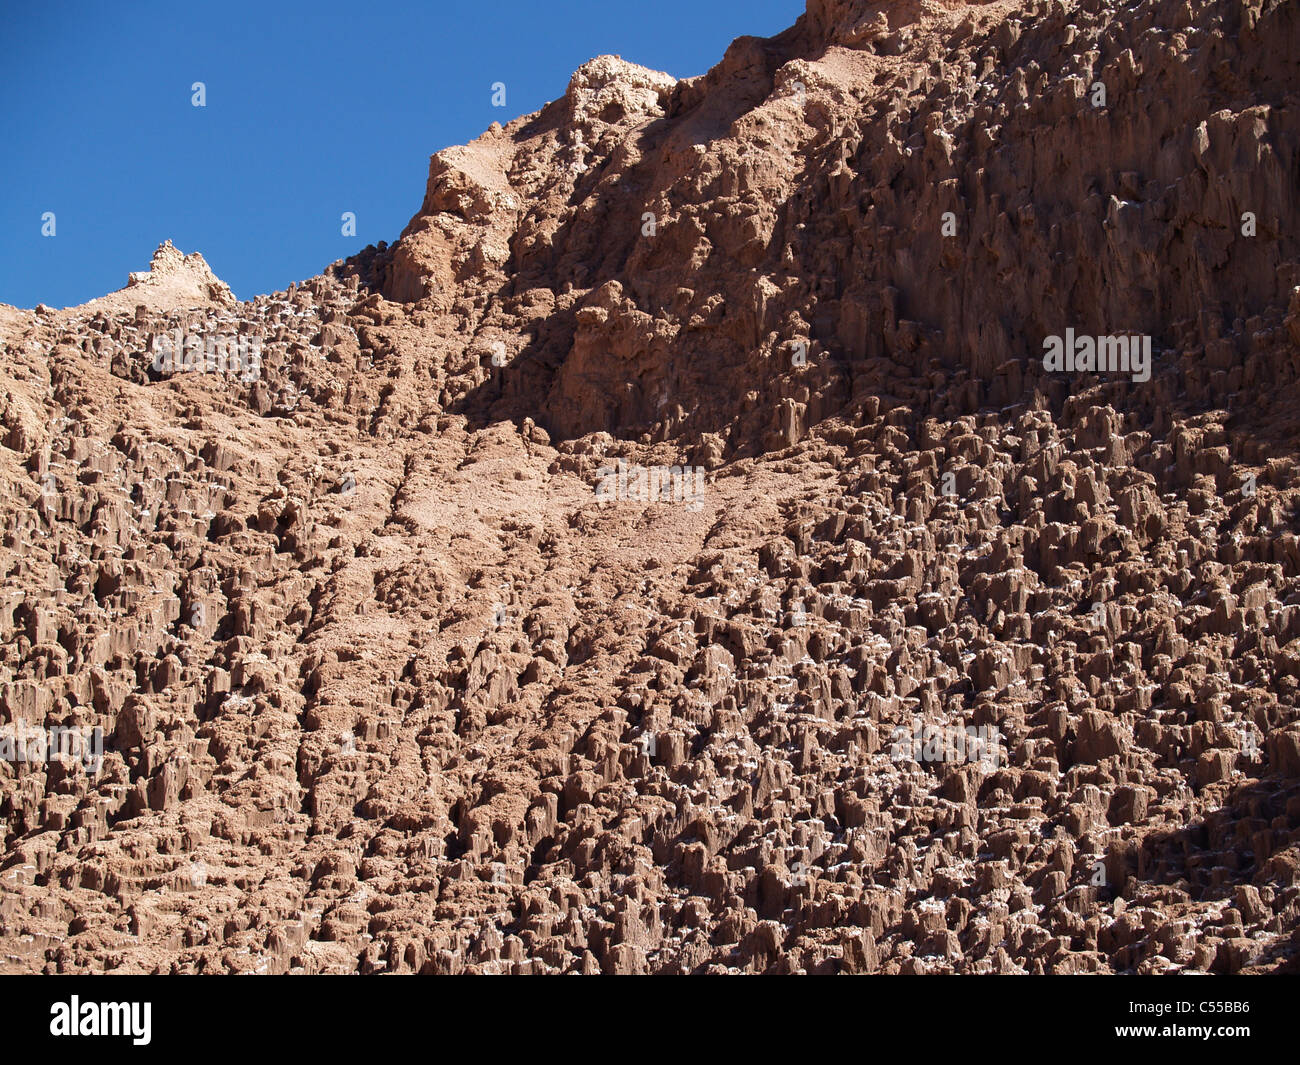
{"x": 833, "y": 514}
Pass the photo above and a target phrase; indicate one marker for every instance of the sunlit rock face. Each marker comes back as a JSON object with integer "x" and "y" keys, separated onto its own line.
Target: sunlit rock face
{"x": 836, "y": 513}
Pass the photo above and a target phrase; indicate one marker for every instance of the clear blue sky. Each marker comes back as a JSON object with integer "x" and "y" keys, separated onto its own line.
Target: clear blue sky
{"x": 312, "y": 110}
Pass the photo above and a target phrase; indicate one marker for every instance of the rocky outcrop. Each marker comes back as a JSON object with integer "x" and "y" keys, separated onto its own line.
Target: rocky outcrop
{"x": 674, "y": 553}
{"x": 173, "y": 280}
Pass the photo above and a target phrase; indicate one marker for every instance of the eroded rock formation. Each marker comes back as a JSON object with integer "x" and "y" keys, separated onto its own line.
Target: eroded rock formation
{"x": 385, "y": 685}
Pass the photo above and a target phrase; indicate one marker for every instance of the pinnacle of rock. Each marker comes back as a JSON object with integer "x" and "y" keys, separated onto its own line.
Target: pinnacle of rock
{"x": 180, "y": 275}
{"x": 607, "y": 85}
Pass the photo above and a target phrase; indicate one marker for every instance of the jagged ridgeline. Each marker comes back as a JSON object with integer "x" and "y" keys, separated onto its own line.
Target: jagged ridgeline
{"x": 833, "y": 514}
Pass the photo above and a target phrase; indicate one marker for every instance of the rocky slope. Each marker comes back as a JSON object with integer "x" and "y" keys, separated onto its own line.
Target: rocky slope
{"x": 390, "y": 680}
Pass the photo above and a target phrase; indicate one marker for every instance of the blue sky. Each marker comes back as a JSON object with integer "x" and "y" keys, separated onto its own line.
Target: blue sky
{"x": 311, "y": 110}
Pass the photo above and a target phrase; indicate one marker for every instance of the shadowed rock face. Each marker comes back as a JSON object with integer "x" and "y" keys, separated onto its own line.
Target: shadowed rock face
{"x": 675, "y": 553}
{"x": 911, "y": 190}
